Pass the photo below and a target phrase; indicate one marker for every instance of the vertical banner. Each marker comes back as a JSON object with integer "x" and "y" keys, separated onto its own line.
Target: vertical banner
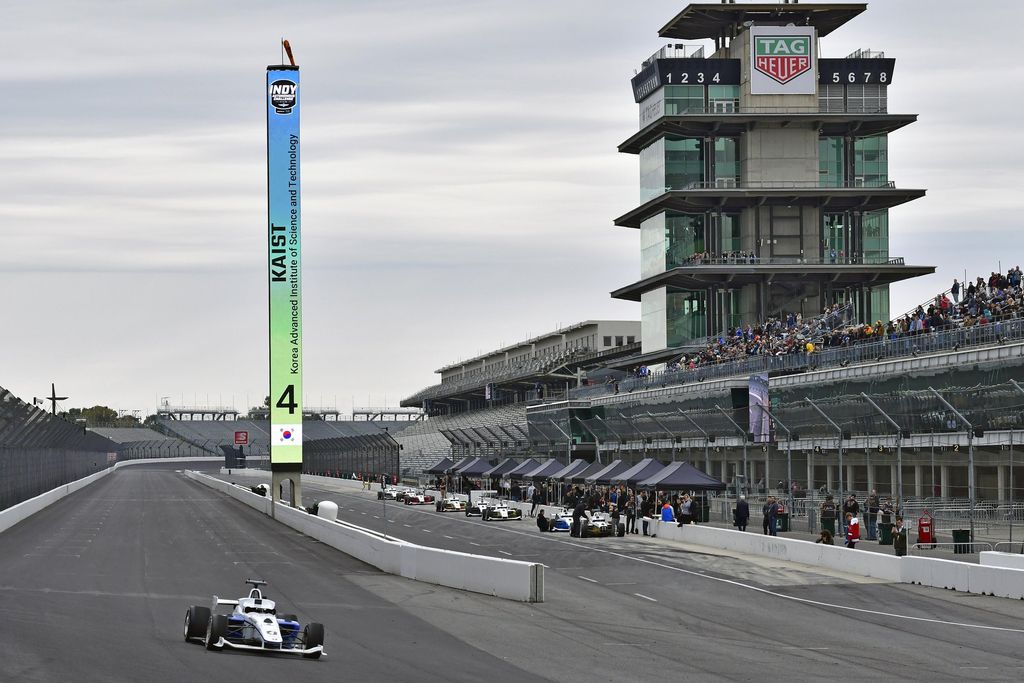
{"x": 760, "y": 423}
{"x": 284, "y": 260}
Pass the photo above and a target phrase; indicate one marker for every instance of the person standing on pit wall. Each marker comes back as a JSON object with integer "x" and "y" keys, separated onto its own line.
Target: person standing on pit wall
{"x": 742, "y": 513}
{"x": 535, "y": 500}
{"x": 646, "y": 512}
{"x": 872, "y": 507}
{"x": 899, "y": 538}
{"x": 852, "y": 531}
{"x": 631, "y": 515}
{"x": 685, "y": 510}
{"x": 764, "y": 512}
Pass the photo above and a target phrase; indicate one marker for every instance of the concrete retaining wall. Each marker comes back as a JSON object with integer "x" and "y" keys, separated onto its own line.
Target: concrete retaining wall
{"x": 25, "y": 509}
{"x": 996, "y": 559}
{"x": 511, "y": 579}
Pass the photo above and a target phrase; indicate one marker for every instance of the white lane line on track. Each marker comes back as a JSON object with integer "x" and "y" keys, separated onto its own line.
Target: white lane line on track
{"x": 476, "y": 544}
{"x": 427, "y": 531}
{"x": 586, "y": 579}
{"x": 376, "y": 516}
{"x": 645, "y": 597}
{"x": 407, "y": 526}
{"x": 505, "y": 552}
{"x": 739, "y": 584}
{"x": 450, "y": 538}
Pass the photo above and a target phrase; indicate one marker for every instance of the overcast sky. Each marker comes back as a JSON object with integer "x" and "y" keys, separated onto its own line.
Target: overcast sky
{"x": 459, "y": 181}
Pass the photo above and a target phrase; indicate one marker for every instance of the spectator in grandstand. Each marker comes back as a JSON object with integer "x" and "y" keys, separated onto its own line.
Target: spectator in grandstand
{"x": 899, "y": 538}
{"x": 955, "y": 291}
{"x": 742, "y": 514}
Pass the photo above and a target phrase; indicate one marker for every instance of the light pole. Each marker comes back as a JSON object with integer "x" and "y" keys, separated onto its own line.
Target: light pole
{"x": 1013, "y": 512}
{"x": 668, "y": 433}
{"x": 568, "y": 437}
{"x": 789, "y": 456}
{"x": 839, "y": 442}
{"x": 899, "y": 450}
{"x": 970, "y": 453}
{"x": 743, "y": 437}
{"x": 707, "y": 441}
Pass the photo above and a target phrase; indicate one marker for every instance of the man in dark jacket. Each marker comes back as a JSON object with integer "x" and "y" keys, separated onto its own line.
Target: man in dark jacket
{"x": 742, "y": 513}
{"x": 764, "y": 512}
{"x": 850, "y": 507}
{"x": 899, "y": 538}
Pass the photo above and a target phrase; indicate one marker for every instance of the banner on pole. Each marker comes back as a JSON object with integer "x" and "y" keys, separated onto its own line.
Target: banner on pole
{"x": 284, "y": 261}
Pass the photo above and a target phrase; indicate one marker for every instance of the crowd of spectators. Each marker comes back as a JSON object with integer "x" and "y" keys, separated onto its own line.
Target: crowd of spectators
{"x": 731, "y": 257}
{"x": 981, "y": 302}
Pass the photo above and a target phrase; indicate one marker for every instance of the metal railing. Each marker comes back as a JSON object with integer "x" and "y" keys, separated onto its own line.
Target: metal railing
{"x": 750, "y": 259}
{"x": 728, "y": 184}
{"x": 725, "y": 107}
{"x": 904, "y": 346}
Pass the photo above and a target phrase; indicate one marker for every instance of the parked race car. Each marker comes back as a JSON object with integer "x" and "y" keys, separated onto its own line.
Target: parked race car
{"x": 599, "y": 524}
{"x": 561, "y": 521}
{"x": 451, "y": 505}
{"x": 476, "y": 509}
{"x": 252, "y": 624}
{"x": 417, "y": 498}
{"x": 500, "y": 511}
{"x": 394, "y": 493}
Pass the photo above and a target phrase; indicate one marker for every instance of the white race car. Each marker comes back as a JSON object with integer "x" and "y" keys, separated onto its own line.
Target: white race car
{"x": 451, "y": 505}
{"x": 253, "y": 624}
{"x": 599, "y": 524}
{"x": 394, "y": 493}
{"x": 561, "y": 521}
{"x": 500, "y": 511}
{"x": 417, "y": 498}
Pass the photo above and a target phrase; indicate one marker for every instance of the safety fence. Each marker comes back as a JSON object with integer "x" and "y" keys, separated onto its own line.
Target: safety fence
{"x": 28, "y": 472}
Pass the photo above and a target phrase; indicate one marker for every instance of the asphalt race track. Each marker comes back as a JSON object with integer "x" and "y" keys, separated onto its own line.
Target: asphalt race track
{"x": 94, "y": 588}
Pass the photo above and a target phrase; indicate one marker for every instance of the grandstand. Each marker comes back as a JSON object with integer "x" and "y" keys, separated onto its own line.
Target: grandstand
{"x": 141, "y": 442}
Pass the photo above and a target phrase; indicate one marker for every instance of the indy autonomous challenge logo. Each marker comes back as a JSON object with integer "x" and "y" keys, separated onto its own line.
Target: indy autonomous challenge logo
{"x": 283, "y": 95}
{"x": 783, "y": 58}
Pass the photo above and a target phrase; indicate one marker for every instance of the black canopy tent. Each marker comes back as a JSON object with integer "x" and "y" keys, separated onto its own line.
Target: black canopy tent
{"x": 545, "y": 470}
{"x": 605, "y": 475}
{"x": 580, "y": 476}
{"x": 462, "y": 463}
{"x": 645, "y": 469}
{"x": 440, "y": 468}
{"x": 525, "y": 467}
{"x": 681, "y": 476}
{"x": 502, "y": 468}
{"x": 569, "y": 470}
{"x": 475, "y": 468}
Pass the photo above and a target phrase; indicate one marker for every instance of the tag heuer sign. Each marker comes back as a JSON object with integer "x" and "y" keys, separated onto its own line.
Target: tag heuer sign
{"x": 782, "y": 57}
{"x": 782, "y": 60}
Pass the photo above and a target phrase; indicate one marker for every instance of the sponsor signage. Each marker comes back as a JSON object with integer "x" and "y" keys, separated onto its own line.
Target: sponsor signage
{"x": 284, "y": 266}
{"x": 760, "y": 423}
{"x": 241, "y": 438}
{"x": 782, "y": 60}
{"x": 685, "y": 71}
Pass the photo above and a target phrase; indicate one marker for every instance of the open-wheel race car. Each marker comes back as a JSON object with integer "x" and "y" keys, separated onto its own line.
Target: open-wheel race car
{"x": 252, "y": 624}
{"x": 417, "y": 498}
{"x": 598, "y": 524}
{"x": 447, "y": 504}
{"x": 560, "y": 521}
{"x": 500, "y": 511}
{"x": 394, "y": 493}
{"x": 476, "y": 509}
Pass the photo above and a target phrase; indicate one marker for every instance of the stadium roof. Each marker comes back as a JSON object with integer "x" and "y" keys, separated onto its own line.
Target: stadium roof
{"x": 706, "y": 20}
{"x": 703, "y": 276}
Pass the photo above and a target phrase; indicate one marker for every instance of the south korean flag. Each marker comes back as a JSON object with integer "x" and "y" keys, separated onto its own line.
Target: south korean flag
{"x": 287, "y": 435}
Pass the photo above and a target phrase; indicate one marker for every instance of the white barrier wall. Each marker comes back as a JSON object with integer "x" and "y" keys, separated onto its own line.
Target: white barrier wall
{"x": 790, "y": 549}
{"x": 27, "y": 508}
{"x": 1001, "y": 582}
{"x": 511, "y": 579}
{"x": 996, "y": 559}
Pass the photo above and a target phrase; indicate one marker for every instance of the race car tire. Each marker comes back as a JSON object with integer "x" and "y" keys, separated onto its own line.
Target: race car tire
{"x": 216, "y": 628}
{"x": 312, "y": 636}
{"x": 380, "y": 495}
{"x": 195, "y": 621}
{"x": 485, "y": 515}
{"x": 584, "y": 529}
{"x": 620, "y": 530}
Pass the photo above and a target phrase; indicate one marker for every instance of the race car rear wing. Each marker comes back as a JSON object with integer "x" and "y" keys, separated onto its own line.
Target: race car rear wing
{"x": 217, "y": 602}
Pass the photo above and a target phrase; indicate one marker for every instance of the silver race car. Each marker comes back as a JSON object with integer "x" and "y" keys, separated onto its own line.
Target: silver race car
{"x": 252, "y": 624}
{"x": 447, "y": 504}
